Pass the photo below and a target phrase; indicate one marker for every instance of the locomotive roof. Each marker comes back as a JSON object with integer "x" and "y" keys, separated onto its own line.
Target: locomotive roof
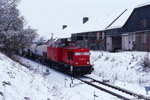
{"x": 74, "y": 47}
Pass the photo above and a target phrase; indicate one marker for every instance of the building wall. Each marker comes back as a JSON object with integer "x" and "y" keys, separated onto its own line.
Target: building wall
{"x": 92, "y": 40}
{"x": 128, "y": 41}
{"x": 98, "y": 36}
{"x": 131, "y": 41}
{"x": 142, "y": 41}
{"x": 109, "y": 43}
{"x": 125, "y": 42}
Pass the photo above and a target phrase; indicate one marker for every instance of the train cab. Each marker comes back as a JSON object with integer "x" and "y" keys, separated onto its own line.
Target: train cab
{"x": 55, "y": 51}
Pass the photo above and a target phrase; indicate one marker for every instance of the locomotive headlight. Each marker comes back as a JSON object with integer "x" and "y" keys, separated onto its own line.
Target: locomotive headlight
{"x": 76, "y": 63}
{"x": 88, "y": 62}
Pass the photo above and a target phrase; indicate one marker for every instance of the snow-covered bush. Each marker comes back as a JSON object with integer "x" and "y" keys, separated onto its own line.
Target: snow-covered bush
{"x": 106, "y": 58}
{"x": 146, "y": 62}
{"x": 127, "y": 67}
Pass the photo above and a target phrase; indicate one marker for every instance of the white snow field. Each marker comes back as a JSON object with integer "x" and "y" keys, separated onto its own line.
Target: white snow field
{"x": 124, "y": 69}
{"x": 20, "y": 83}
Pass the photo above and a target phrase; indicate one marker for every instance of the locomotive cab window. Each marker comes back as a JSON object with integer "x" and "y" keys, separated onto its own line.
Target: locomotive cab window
{"x": 71, "y": 44}
{"x": 62, "y": 45}
{"x": 55, "y": 45}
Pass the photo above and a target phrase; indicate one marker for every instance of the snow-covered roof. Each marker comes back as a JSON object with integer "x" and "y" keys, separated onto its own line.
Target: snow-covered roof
{"x": 63, "y": 33}
{"x": 97, "y": 24}
{"x": 121, "y": 20}
{"x": 101, "y": 23}
{"x": 142, "y": 5}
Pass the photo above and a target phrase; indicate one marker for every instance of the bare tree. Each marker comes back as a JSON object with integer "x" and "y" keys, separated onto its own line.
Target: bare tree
{"x": 13, "y": 35}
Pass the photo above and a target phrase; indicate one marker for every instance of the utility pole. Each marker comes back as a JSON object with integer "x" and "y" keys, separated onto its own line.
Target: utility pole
{"x": 52, "y": 35}
{"x": 51, "y": 38}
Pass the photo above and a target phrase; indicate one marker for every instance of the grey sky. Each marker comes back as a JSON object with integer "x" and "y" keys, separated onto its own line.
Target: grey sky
{"x": 49, "y": 15}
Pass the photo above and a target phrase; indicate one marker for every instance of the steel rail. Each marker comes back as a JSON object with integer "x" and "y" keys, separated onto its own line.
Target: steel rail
{"x": 103, "y": 89}
{"x": 140, "y": 96}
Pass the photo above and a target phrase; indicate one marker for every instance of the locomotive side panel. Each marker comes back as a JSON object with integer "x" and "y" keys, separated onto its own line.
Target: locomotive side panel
{"x": 65, "y": 56}
{"x": 49, "y": 52}
{"x": 56, "y": 54}
{"x": 53, "y": 54}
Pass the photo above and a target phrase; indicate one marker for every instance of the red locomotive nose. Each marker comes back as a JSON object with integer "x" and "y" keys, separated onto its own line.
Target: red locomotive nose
{"x": 82, "y": 57}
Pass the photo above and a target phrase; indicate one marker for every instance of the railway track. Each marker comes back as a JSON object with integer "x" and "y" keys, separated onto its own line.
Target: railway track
{"x": 123, "y": 94}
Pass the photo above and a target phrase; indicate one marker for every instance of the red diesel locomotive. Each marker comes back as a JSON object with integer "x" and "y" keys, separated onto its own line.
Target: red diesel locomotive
{"x": 65, "y": 56}
{"x": 62, "y": 55}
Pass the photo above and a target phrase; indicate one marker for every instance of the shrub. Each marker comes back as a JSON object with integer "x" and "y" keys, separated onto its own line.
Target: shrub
{"x": 146, "y": 62}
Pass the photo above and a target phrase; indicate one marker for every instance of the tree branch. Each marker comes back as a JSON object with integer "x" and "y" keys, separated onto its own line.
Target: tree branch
{"x": 7, "y": 6}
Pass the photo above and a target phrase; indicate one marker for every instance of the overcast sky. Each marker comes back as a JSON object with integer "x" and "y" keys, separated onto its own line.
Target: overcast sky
{"x": 47, "y": 16}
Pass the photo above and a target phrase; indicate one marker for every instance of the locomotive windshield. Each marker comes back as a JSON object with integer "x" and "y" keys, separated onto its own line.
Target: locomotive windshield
{"x": 62, "y": 45}
{"x": 66, "y": 44}
{"x": 71, "y": 44}
{"x": 55, "y": 45}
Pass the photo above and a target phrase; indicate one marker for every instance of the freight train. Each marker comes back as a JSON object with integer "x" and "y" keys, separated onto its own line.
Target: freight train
{"x": 62, "y": 55}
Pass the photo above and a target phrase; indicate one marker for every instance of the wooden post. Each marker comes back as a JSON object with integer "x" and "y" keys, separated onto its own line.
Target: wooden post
{"x": 95, "y": 95}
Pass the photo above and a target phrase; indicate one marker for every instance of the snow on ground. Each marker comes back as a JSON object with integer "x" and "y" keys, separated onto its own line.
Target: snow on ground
{"x": 77, "y": 91}
{"x": 20, "y": 83}
{"x": 124, "y": 69}
{"x": 40, "y": 82}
